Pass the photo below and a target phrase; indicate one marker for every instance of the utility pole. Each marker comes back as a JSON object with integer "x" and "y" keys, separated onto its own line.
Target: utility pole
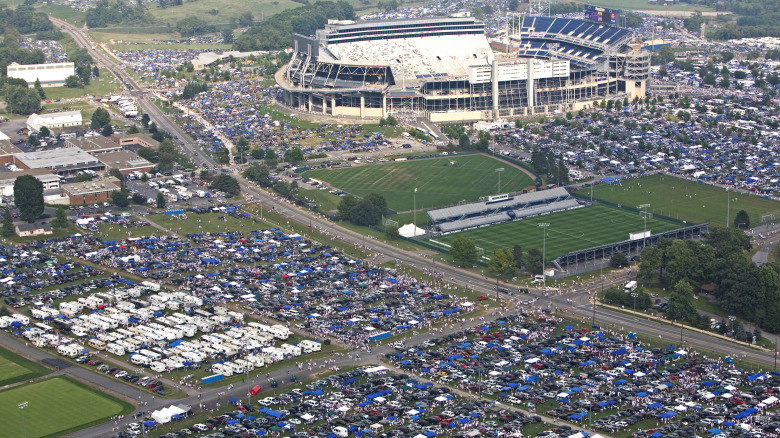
{"x": 644, "y": 208}
{"x": 544, "y": 226}
{"x": 498, "y": 171}
{"x": 728, "y": 207}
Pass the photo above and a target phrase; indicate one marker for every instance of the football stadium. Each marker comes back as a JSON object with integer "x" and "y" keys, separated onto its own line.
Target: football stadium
{"x": 445, "y": 69}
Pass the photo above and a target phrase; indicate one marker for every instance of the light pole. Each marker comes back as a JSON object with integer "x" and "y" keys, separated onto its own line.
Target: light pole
{"x": 644, "y": 207}
{"x": 634, "y": 295}
{"x": 728, "y": 207}
{"x": 544, "y": 226}
{"x": 498, "y": 171}
{"x": 732, "y": 318}
{"x": 24, "y": 425}
{"x": 414, "y": 211}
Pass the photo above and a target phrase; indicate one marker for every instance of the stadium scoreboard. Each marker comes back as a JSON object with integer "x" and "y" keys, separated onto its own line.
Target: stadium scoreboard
{"x": 601, "y": 15}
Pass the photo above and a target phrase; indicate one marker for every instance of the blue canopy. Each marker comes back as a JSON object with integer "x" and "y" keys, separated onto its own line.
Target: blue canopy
{"x": 669, "y": 414}
{"x": 715, "y": 431}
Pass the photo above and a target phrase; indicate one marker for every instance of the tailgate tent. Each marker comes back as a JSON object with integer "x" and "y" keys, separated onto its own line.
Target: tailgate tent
{"x": 165, "y": 415}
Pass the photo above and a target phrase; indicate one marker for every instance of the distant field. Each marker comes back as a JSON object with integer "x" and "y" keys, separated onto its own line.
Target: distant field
{"x": 116, "y": 232}
{"x": 226, "y": 9}
{"x": 438, "y": 182}
{"x": 14, "y": 368}
{"x": 55, "y": 407}
{"x": 684, "y": 200}
{"x": 644, "y": 5}
{"x": 568, "y": 231}
{"x": 100, "y": 86}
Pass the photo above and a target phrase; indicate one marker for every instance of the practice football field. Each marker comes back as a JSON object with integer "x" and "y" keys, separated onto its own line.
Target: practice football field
{"x": 684, "y": 200}
{"x": 14, "y": 368}
{"x": 54, "y": 407}
{"x": 571, "y": 230}
{"x": 439, "y": 181}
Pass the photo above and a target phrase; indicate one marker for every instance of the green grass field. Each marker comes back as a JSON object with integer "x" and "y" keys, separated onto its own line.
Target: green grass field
{"x": 55, "y": 407}
{"x": 116, "y": 232}
{"x": 643, "y": 5}
{"x": 438, "y": 183}
{"x": 206, "y": 223}
{"x": 100, "y": 86}
{"x": 14, "y": 368}
{"x": 684, "y": 200}
{"x": 568, "y": 231}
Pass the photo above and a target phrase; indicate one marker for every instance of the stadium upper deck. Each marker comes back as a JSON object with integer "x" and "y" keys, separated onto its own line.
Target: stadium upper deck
{"x": 444, "y": 69}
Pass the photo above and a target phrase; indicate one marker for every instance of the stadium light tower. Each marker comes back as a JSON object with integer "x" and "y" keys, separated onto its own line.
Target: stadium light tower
{"x": 644, "y": 207}
{"x": 414, "y": 212}
{"x": 24, "y": 425}
{"x": 498, "y": 171}
{"x": 544, "y": 226}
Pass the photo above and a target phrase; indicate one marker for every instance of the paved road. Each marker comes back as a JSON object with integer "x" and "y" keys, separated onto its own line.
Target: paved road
{"x": 574, "y": 303}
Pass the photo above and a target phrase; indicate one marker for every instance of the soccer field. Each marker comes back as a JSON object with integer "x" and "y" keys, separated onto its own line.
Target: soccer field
{"x": 571, "y": 230}
{"x": 55, "y": 407}
{"x": 684, "y": 200}
{"x": 439, "y": 181}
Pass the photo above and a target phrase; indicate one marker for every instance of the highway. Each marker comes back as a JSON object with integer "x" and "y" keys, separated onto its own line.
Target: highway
{"x": 576, "y": 303}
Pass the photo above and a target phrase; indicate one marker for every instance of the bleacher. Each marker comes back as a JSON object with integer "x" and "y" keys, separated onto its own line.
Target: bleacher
{"x": 580, "y": 41}
{"x": 483, "y": 213}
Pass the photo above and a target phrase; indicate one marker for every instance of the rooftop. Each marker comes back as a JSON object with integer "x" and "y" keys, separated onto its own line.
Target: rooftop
{"x": 122, "y": 160}
{"x": 42, "y": 174}
{"x": 94, "y": 144}
{"x": 56, "y": 158}
{"x": 8, "y": 148}
{"x": 107, "y": 184}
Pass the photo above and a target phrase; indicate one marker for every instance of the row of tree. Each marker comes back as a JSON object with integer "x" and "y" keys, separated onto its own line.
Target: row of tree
{"x": 363, "y": 212}
{"x": 107, "y": 12}
{"x": 740, "y": 287}
{"x": 276, "y": 32}
{"x": 544, "y": 163}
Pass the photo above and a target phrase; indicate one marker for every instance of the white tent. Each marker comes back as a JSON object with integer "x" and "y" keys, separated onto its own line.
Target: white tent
{"x": 411, "y": 230}
{"x": 165, "y": 415}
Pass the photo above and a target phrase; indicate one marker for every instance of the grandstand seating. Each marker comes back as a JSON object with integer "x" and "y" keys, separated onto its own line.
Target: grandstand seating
{"x": 482, "y": 213}
{"x": 581, "y": 42}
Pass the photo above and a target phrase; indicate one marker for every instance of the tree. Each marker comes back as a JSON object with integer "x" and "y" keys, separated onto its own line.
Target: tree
{"x": 513, "y": 5}
{"x": 742, "y": 220}
{"x": 82, "y": 177}
{"x": 72, "y": 81}
{"x": 464, "y": 251}
{"x": 39, "y": 89}
{"x": 365, "y": 213}
{"x": 166, "y": 155}
{"x": 257, "y": 153}
{"x": 28, "y": 197}
{"x": 227, "y": 36}
{"x": 517, "y": 255}
{"x": 44, "y": 132}
{"x": 533, "y": 261}
{"x": 347, "y": 203}
{"x": 8, "y": 224}
{"x": 23, "y": 101}
{"x": 160, "y": 200}
{"x": 120, "y": 198}
{"x": 294, "y": 155}
{"x": 100, "y": 118}
{"x": 270, "y": 158}
{"x": 618, "y": 260}
{"x": 33, "y": 141}
{"x": 138, "y": 198}
{"x": 61, "y": 219}
{"x": 391, "y": 233}
{"x": 107, "y": 131}
{"x": 681, "y": 301}
{"x": 502, "y": 262}
{"x": 226, "y": 183}
{"x": 464, "y": 142}
{"x": 145, "y": 120}
{"x": 379, "y": 201}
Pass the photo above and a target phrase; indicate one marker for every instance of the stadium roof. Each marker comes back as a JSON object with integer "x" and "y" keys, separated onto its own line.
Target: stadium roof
{"x": 483, "y": 206}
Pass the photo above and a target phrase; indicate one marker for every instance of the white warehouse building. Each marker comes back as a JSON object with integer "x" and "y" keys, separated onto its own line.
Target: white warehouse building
{"x": 50, "y": 75}
{"x": 63, "y": 119}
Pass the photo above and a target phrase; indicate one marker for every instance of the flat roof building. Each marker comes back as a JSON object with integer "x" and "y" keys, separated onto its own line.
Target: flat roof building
{"x": 65, "y": 119}
{"x": 89, "y": 192}
{"x": 64, "y": 162}
{"x": 50, "y": 75}
{"x": 95, "y": 144}
{"x": 7, "y": 151}
{"x": 125, "y": 161}
{"x": 140, "y": 140}
{"x": 7, "y": 179}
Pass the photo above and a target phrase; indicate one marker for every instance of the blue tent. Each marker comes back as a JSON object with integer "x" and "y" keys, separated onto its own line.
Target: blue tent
{"x": 669, "y": 414}
{"x": 714, "y": 431}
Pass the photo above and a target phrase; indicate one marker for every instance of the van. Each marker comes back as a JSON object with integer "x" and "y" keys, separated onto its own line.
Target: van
{"x": 157, "y": 367}
{"x": 115, "y": 348}
{"x": 630, "y": 286}
{"x": 140, "y": 359}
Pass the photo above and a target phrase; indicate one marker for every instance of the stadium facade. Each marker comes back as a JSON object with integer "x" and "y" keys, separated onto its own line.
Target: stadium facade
{"x": 445, "y": 69}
